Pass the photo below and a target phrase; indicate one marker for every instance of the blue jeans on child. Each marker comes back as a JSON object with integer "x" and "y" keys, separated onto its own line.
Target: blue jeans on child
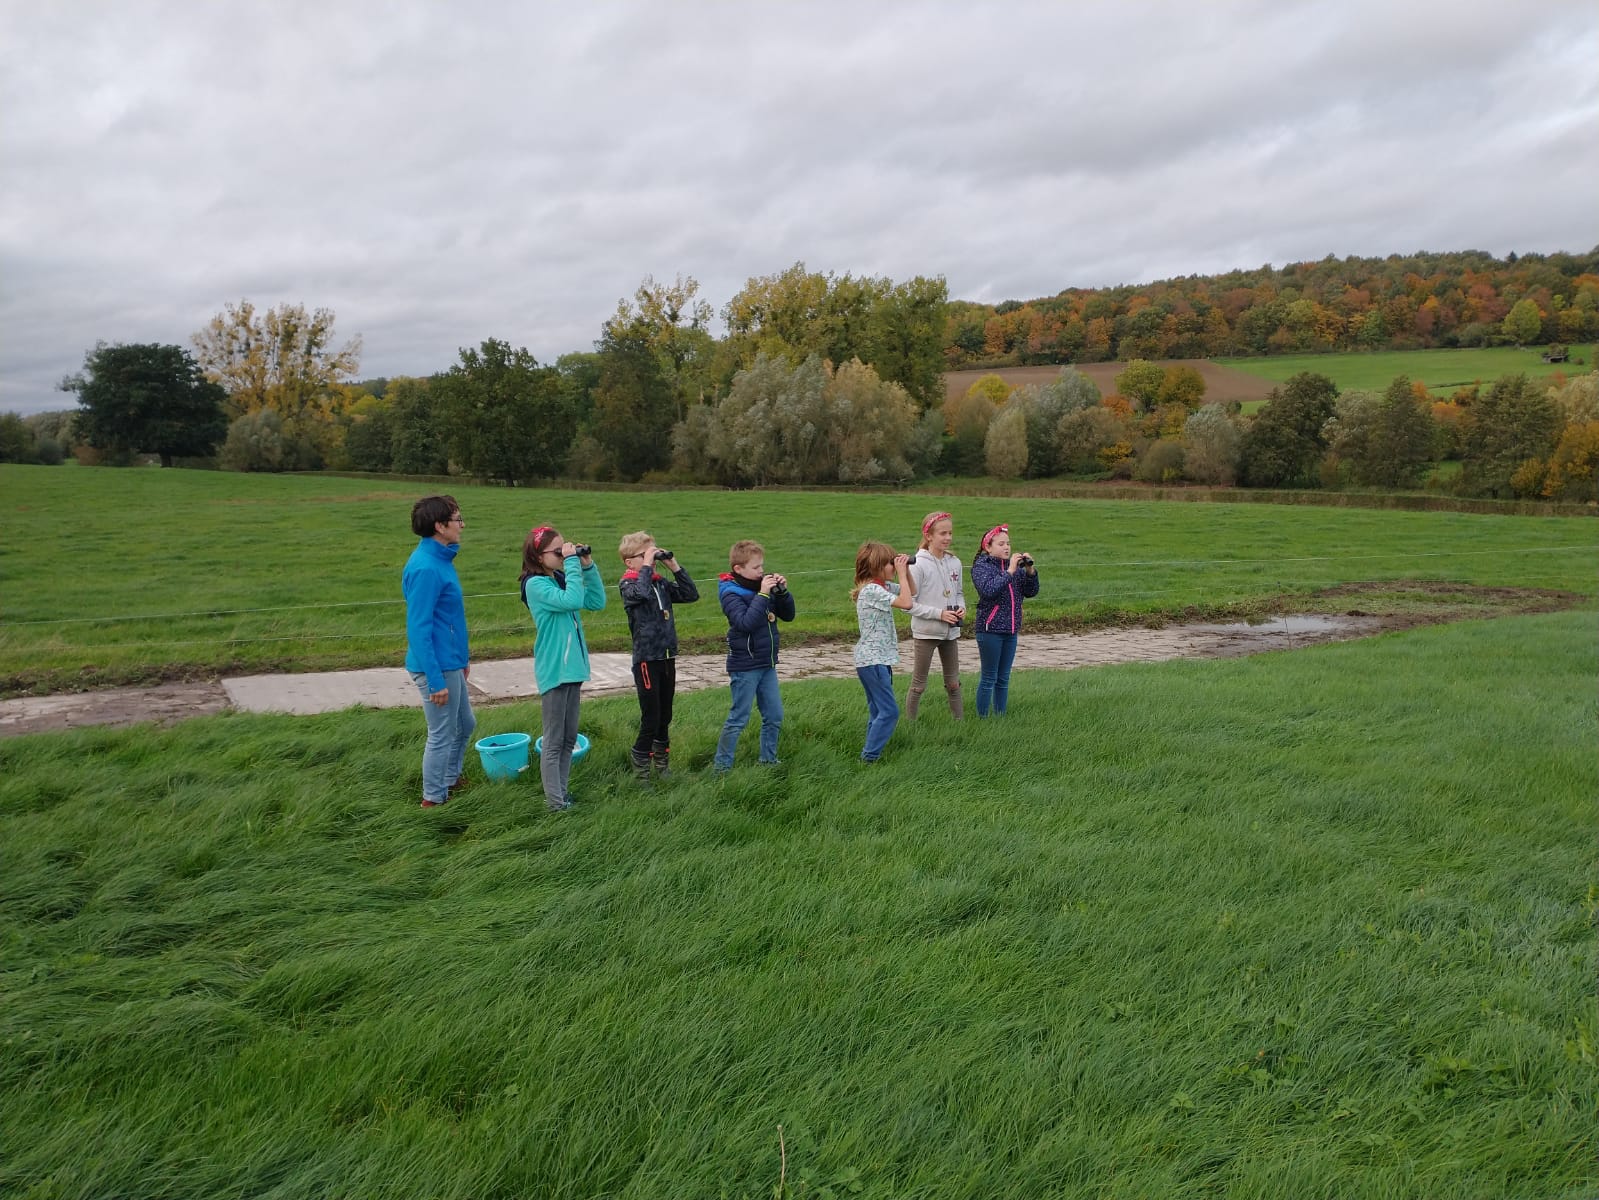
{"x": 450, "y": 727}
{"x": 757, "y": 688}
{"x": 881, "y": 707}
{"x": 995, "y": 653}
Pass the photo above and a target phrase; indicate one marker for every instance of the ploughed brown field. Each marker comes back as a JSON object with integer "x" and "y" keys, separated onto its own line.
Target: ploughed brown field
{"x": 1221, "y": 383}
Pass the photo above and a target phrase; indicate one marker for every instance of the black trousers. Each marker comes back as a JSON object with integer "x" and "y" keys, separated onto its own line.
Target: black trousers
{"x": 656, "y": 683}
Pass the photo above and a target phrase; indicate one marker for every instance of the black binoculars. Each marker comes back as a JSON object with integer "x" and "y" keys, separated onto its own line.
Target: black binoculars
{"x": 1024, "y": 560}
{"x": 662, "y": 555}
{"x": 583, "y": 551}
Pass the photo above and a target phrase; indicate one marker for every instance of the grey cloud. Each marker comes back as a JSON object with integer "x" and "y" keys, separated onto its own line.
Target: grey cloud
{"x": 438, "y": 175}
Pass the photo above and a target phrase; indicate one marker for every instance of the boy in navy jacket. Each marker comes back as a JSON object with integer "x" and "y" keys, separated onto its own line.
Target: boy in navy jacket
{"x": 648, "y": 598}
{"x": 754, "y": 602}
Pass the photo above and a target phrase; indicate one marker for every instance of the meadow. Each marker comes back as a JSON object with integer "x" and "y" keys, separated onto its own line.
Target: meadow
{"x": 1443, "y": 371}
{"x": 139, "y": 574}
{"x": 1309, "y": 924}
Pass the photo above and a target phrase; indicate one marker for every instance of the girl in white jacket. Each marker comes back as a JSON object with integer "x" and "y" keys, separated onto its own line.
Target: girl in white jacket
{"x": 937, "y": 613}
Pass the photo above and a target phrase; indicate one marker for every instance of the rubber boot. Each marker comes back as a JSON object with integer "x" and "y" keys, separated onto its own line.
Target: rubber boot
{"x": 661, "y": 755}
{"x": 641, "y": 766}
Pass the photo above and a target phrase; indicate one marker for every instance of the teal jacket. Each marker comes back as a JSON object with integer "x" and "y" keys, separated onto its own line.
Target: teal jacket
{"x": 560, "y": 653}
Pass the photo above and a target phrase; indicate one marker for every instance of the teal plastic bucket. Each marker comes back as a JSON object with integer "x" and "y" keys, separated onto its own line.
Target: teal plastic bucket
{"x": 504, "y": 755}
{"x": 578, "y": 751}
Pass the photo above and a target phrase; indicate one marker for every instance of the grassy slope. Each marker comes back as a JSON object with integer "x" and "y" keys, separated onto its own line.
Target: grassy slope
{"x": 1440, "y": 370}
{"x": 1311, "y": 924}
{"x": 140, "y": 544}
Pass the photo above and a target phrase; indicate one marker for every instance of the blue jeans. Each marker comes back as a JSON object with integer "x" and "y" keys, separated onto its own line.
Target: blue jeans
{"x": 995, "y": 653}
{"x": 450, "y": 727}
{"x": 751, "y": 688}
{"x": 881, "y": 707}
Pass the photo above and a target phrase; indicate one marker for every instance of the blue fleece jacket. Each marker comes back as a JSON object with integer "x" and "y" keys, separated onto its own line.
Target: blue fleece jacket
{"x": 435, "y": 613}
{"x": 752, "y": 619}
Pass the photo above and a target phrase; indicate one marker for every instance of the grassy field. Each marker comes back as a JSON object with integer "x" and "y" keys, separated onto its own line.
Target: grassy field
{"x": 1443, "y": 371}
{"x": 133, "y": 574}
{"x": 1306, "y": 924}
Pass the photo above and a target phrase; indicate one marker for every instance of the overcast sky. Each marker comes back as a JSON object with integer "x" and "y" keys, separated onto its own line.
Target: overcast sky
{"x": 440, "y": 173}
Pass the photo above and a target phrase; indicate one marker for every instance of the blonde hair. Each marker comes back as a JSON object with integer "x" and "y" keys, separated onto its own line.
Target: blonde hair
{"x": 870, "y": 560}
{"x": 930, "y": 520}
{"x": 632, "y": 543}
{"x": 743, "y": 551}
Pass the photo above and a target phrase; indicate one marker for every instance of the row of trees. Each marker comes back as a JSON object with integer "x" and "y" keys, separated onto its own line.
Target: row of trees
{"x": 1519, "y": 438}
{"x": 819, "y": 379}
{"x": 1396, "y": 303}
{"x": 276, "y": 390}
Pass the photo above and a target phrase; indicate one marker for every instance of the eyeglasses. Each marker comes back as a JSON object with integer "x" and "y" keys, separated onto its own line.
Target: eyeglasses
{"x": 457, "y": 519}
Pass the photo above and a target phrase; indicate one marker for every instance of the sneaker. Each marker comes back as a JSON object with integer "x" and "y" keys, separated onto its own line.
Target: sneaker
{"x": 561, "y": 805}
{"x": 771, "y": 762}
{"x": 434, "y": 803}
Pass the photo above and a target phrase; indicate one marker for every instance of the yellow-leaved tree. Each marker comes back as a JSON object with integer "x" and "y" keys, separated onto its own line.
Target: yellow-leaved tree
{"x": 283, "y": 361}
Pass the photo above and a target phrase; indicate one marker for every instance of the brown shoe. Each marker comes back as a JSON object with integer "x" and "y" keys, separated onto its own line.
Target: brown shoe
{"x": 434, "y": 803}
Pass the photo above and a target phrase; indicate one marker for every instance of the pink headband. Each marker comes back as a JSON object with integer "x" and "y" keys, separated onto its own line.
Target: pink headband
{"x": 538, "y": 533}
{"x": 934, "y": 519}
{"x": 989, "y": 536}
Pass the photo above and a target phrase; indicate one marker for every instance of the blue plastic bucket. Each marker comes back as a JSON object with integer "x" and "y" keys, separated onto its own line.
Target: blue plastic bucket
{"x": 504, "y": 755}
{"x": 578, "y": 751}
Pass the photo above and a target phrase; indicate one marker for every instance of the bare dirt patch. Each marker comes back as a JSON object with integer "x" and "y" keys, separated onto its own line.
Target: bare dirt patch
{"x": 1221, "y": 383}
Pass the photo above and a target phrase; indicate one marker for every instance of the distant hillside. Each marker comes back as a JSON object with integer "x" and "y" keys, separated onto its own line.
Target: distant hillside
{"x": 1413, "y": 302}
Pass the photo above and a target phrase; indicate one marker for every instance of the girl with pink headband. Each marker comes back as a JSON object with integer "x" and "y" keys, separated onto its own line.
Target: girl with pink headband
{"x": 1001, "y": 579}
{"x": 937, "y": 613}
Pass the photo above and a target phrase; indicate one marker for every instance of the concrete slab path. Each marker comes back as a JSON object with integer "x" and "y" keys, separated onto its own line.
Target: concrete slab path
{"x": 506, "y": 680}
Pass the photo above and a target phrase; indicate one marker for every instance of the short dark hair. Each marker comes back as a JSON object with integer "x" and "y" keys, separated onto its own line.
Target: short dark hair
{"x": 428, "y": 513}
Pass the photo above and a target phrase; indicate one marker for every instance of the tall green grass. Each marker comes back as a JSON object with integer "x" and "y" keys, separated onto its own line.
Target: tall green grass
{"x": 1442, "y": 371}
{"x": 1305, "y": 924}
{"x": 125, "y": 574}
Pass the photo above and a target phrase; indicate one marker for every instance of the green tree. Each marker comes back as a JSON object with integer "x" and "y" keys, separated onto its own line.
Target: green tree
{"x": 1082, "y": 434}
{"x": 503, "y": 415}
{"x": 1523, "y": 322}
{"x": 635, "y": 405}
{"x": 1515, "y": 422}
{"x": 147, "y": 398}
{"x": 966, "y": 419}
{"x": 675, "y": 325}
{"x": 419, "y": 446}
{"x": 1393, "y": 437}
{"x": 991, "y": 388}
{"x": 17, "y": 442}
{"x": 1181, "y": 385}
{"x": 1140, "y": 382}
{"x": 255, "y": 442}
{"x": 905, "y": 340}
{"x": 369, "y": 441}
{"x": 1286, "y": 440}
{"x": 1005, "y": 447}
{"x": 1211, "y": 443}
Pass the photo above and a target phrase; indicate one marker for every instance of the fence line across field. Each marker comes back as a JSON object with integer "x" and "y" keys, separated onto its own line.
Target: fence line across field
{"x": 1076, "y": 564}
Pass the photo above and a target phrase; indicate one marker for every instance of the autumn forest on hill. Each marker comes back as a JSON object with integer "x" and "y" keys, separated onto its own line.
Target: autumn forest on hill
{"x": 805, "y": 377}
{"x": 1409, "y": 302}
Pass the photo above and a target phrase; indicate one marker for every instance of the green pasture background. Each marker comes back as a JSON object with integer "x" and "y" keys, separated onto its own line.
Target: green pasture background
{"x": 120, "y": 575}
{"x": 1315, "y": 923}
{"x": 1443, "y": 371}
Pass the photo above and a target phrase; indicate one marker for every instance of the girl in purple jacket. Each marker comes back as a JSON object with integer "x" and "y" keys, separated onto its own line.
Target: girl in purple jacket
{"x": 1001, "y": 579}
